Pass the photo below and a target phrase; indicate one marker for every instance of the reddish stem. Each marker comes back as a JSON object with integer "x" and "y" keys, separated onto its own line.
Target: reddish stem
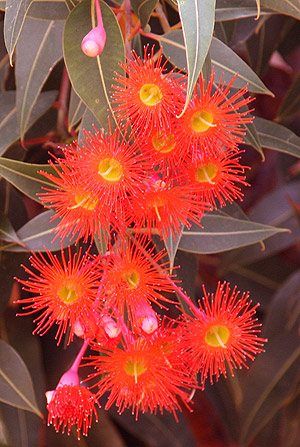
{"x": 62, "y": 100}
{"x": 79, "y": 356}
{"x": 99, "y": 14}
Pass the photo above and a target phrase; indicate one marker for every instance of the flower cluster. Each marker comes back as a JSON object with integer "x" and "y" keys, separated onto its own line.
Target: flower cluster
{"x": 153, "y": 174}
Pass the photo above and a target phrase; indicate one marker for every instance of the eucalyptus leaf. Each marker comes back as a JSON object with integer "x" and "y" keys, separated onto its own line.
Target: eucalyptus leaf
{"x": 275, "y": 374}
{"x": 10, "y": 131}
{"x": 287, "y": 7}
{"x": 225, "y": 62}
{"x": 48, "y": 10}
{"x": 290, "y": 106}
{"x": 38, "y": 51}
{"x": 15, "y": 13}
{"x": 76, "y": 109}
{"x": 143, "y": 9}
{"x": 16, "y": 387}
{"x": 7, "y": 232}
{"x": 25, "y": 176}
{"x": 237, "y": 9}
{"x": 222, "y": 233}
{"x": 39, "y": 234}
{"x": 91, "y": 78}
{"x": 197, "y": 19}
{"x": 171, "y": 243}
{"x": 277, "y": 137}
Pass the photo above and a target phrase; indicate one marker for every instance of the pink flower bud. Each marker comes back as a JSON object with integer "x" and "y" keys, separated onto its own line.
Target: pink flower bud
{"x": 149, "y": 324}
{"x": 111, "y": 328}
{"x": 93, "y": 43}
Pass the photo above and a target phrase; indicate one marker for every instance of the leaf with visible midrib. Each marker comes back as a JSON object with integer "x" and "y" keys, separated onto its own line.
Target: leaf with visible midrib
{"x": 197, "y": 18}
{"x": 92, "y": 78}
{"x": 25, "y": 176}
{"x": 16, "y": 387}
{"x": 277, "y": 137}
{"x": 15, "y": 13}
{"x": 35, "y": 62}
{"x": 222, "y": 233}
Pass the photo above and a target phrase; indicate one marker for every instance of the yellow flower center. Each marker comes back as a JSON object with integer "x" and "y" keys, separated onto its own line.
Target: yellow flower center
{"x": 217, "y": 336}
{"x": 206, "y": 173}
{"x": 163, "y": 143}
{"x": 132, "y": 278}
{"x": 85, "y": 201}
{"x": 150, "y": 95}
{"x": 110, "y": 170}
{"x": 135, "y": 367}
{"x": 68, "y": 294}
{"x": 201, "y": 121}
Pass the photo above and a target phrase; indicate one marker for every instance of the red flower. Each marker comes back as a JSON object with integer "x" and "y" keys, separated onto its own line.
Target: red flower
{"x": 74, "y": 204}
{"x": 165, "y": 208}
{"x": 161, "y": 145}
{"x": 214, "y": 117}
{"x": 111, "y": 169}
{"x": 224, "y": 334}
{"x": 217, "y": 179}
{"x": 64, "y": 291}
{"x": 135, "y": 275}
{"x": 72, "y": 405}
{"x": 144, "y": 375}
{"x": 145, "y": 95}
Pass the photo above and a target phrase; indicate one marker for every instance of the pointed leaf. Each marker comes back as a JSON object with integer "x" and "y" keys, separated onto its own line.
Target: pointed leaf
{"x": 98, "y": 71}
{"x": 25, "y": 176}
{"x": 197, "y": 19}
{"x": 277, "y": 137}
{"x": 7, "y": 232}
{"x": 15, "y": 13}
{"x": 9, "y": 128}
{"x": 171, "y": 244}
{"x": 16, "y": 387}
{"x": 39, "y": 235}
{"x": 143, "y": 9}
{"x": 237, "y": 9}
{"x": 225, "y": 62}
{"x": 35, "y": 62}
{"x": 221, "y": 233}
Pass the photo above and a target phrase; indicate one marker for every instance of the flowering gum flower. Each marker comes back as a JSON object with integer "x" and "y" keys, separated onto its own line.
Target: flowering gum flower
{"x": 217, "y": 179}
{"x": 93, "y": 43}
{"x": 146, "y": 96}
{"x": 214, "y": 117}
{"x": 63, "y": 291}
{"x": 161, "y": 145}
{"x": 143, "y": 376}
{"x": 165, "y": 207}
{"x": 135, "y": 275}
{"x": 111, "y": 169}
{"x": 76, "y": 207}
{"x": 69, "y": 406}
{"x": 224, "y": 334}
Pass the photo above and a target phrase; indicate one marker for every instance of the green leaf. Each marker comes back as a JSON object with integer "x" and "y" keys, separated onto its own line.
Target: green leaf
{"x": 225, "y": 62}
{"x": 222, "y": 233}
{"x": 290, "y": 105}
{"x": 88, "y": 123}
{"x": 7, "y": 232}
{"x": 9, "y": 128}
{"x": 76, "y": 110}
{"x": 143, "y": 9}
{"x": 273, "y": 209}
{"x": 25, "y": 176}
{"x": 275, "y": 374}
{"x": 16, "y": 387}
{"x": 237, "y": 9}
{"x": 98, "y": 71}
{"x": 48, "y": 10}
{"x": 34, "y": 63}
{"x": 39, "y": 235}
{"x": 171, "y": 244}
{"x": 277, "y": 137}
{"x": 287, "y": 7}
{"x": 15, "y": 13}
{"x": 197, "y": 19}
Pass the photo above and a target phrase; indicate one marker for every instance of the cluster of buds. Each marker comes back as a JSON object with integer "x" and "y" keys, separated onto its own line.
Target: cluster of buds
{"x": 153, "y": 174}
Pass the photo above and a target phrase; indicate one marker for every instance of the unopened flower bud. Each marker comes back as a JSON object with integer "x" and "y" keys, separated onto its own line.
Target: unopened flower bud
{"x": 111, "y": 328}
{"x": 93, "y": 43}
{"x": 149, "y": 324}
{"x": 69, "y": 378}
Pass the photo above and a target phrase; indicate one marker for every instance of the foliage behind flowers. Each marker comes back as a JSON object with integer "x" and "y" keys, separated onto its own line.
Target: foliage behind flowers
{"x": 147, "y": 192}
